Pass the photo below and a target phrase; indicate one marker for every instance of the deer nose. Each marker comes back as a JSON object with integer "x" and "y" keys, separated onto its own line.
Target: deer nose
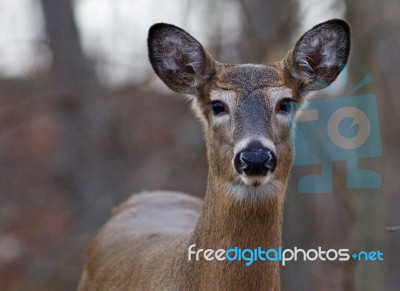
{"x": 255, "y": 160}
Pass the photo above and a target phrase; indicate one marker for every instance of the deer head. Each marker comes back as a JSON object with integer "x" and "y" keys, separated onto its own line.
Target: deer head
{"x": 247, "y": 109}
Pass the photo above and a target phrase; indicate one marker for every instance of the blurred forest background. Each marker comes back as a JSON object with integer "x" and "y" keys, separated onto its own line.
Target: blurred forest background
{"x": 84, "y": 122}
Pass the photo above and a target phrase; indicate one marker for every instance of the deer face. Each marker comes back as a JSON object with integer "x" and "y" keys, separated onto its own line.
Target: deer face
{"x": 247, "y": 109}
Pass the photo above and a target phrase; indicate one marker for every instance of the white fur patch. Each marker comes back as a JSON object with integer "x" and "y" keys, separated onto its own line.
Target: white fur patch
{"x": 278, "y": 93}
{"x": 246, "y": 141}
{"x": 244, "y": 190}
{"x": 224, "y": 95}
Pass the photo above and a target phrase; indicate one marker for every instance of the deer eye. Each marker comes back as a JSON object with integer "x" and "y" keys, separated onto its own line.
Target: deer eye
{"x": 218, "y": 107}
{"x": 285, "y": 105}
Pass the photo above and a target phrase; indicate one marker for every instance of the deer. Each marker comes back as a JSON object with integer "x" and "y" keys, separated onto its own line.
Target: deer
{"x": 246, "y": 111}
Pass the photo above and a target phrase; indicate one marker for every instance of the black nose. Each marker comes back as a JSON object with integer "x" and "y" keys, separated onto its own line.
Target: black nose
{"x": 255, "y": 160}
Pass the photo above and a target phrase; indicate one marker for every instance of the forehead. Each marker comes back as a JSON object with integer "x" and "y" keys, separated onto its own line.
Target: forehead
{"x": 248, "y": 78}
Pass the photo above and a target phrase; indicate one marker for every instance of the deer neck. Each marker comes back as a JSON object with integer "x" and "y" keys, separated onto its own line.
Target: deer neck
{"x": 227, "y": 223}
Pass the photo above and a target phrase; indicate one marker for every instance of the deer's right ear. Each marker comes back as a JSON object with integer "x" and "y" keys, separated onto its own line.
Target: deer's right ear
{"x": 178, "y": 59}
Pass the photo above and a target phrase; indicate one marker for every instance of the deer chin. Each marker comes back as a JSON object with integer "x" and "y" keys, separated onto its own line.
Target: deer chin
{"x": 254, "y": 189}
{"x": 257, "y": 181}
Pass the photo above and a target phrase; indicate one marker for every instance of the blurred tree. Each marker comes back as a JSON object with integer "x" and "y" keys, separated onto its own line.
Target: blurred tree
{"x": 69, "y": 62}
{"x": 77, "y": 92}
{"x": 375, "y": 50}
{"x": 59, "y": 153}
{"x": 267, "y": 29}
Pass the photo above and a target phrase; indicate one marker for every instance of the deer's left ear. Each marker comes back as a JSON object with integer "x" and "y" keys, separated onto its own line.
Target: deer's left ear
{"x": 178, "y": 58}
{"x": 319, "y": 55}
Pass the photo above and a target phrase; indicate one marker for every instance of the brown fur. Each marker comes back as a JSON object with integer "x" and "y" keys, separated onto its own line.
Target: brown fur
{"x": 144, "y": 245}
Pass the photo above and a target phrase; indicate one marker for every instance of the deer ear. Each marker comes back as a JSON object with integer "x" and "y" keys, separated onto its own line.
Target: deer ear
{"x": 178, "y": 59}
{"x": 320, "y": 55}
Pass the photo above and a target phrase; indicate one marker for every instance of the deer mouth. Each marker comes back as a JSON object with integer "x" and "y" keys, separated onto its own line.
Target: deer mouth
{"x": 255, "y": 181}
{"x": 254, "y": 189}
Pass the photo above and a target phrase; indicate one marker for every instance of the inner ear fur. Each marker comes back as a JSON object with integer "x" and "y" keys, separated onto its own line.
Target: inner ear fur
{"x": 319, "y": 55}
{"x": 179, "y": 59}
